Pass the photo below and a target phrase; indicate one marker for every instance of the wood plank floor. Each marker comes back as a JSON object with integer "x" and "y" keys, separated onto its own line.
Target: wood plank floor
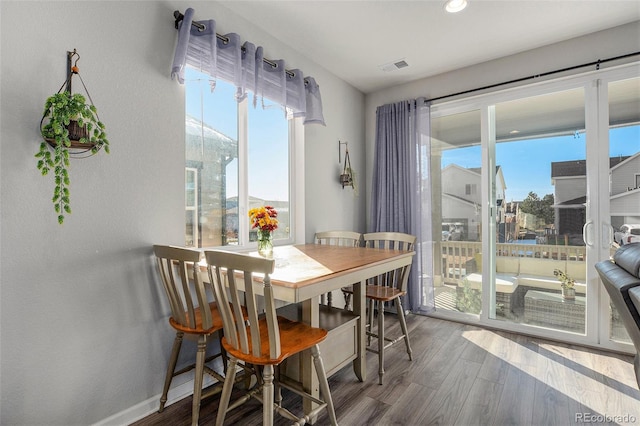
{"x": 464, "y": 375}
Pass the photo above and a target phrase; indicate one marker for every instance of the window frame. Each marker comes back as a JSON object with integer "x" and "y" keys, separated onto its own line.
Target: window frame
{"x": 296, "y": 180}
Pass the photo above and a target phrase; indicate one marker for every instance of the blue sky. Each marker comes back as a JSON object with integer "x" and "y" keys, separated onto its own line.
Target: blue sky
{"x": 526, "y": 165}
{"x": 268, "y": 135}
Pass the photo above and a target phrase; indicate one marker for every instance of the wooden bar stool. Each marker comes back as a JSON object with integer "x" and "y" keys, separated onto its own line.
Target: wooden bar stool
{"x": 338, "y": 238}
{"x": 264, "y": 339}
{"x": 389, "y": 287}
{"x": 186, "y": 298}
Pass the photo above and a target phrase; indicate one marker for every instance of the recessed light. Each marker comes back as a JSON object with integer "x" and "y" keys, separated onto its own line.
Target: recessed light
{"x": 455, "y": 6}
{"x": 514, "y": 132}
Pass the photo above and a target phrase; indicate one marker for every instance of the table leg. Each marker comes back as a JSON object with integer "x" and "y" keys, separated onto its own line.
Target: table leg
{"x": 360, "y": 309}
{"x": 311, "y": 316}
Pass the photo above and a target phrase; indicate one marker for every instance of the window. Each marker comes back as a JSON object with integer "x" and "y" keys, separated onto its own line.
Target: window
{"x": 237, "y": 157}
{"x": 191, "y": 217}
{"x": 470, "y": 189}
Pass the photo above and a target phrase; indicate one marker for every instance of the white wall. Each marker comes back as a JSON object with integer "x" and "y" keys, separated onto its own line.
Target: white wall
{"x": 83, "y": 320}
{"x": 610, "y": 43}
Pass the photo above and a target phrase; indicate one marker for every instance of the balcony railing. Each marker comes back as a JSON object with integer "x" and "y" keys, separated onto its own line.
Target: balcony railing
{"x": 459, "y": 257}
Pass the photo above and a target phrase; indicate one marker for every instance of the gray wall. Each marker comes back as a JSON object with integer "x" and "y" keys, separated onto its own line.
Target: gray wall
{"x": 83, "y": 321}
{"x": 599, "y": 45}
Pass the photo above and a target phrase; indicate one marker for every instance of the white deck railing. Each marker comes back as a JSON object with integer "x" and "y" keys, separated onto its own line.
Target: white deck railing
{"x": 458, "y": 256}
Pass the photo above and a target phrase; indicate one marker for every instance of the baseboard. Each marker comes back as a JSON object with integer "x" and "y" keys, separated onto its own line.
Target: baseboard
{"x": 150, "y": 406}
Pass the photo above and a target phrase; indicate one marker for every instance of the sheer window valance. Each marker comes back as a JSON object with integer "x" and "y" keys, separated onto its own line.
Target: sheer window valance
{"x": 243, "y": 65}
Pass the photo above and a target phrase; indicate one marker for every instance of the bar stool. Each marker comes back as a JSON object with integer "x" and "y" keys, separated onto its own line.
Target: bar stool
{"x": 265, "y": 339}
{"x": 188, "y": 318}
{"x": 389, "y": 287}
{"x": 338, "y": 238}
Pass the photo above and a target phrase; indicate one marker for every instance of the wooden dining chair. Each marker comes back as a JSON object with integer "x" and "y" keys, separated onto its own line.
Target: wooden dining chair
{"x": 389, "y": 287}
{"x": 192, "y": 316}
{"x": 265, "y": 339}
{"x": 338, "y": 238}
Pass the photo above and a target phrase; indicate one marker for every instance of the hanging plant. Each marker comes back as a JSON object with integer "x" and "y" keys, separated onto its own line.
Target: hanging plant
{"x": 72, "y": 125}
{"x": 69, "y": 127}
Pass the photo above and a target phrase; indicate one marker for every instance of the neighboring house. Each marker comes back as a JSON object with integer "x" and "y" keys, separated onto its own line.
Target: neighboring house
{"x": 624, "y": 181}
{"x": 569, "y": 179}
{"x": 461, "y": 198}
{"x": 208, "y": 153}
{"x": 570, "y": 182}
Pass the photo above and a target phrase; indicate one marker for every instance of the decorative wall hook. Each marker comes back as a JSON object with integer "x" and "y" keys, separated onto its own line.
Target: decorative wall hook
{"x": 346, "y": 178}
{"x": 72, "y": 67}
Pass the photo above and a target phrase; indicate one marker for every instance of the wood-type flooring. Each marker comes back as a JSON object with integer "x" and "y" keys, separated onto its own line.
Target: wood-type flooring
{"x": 463, "y": 375}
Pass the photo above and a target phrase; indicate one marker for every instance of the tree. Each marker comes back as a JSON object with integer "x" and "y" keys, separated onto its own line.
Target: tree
{"x": 547, "y": 211}
{"x": 542, "y": 208}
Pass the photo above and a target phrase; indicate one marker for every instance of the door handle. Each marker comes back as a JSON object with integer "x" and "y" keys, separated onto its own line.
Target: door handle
{"x": 585, "y": 234}
{"x": 607, "y": 230}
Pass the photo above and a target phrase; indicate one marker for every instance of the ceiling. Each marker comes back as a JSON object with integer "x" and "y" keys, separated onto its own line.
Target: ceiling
{"x": 352, "y": 39}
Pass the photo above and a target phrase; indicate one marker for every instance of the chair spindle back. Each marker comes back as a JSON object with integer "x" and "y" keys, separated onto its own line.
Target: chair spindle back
{"x": 391, "y": 241}
{"x": 231, "y": 274}
{"x": 338, "y": 238}
{"x": 183, "y": 285}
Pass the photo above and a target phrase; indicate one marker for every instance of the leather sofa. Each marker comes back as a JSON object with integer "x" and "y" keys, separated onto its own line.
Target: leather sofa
{"x": 621, "y": 279}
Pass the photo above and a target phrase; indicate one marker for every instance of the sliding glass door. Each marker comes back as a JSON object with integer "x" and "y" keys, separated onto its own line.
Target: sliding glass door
{"x": 456, "y": 174}
{"x": 530, "y": 188}
{"x": 623, "y": 102}
{"x": 541, "y": 193}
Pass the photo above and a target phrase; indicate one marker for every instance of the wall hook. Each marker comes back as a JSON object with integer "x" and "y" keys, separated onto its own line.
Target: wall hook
{"x": 346, "y": 144}
{"x": 72, "y": 69}
{"x": 346, "y": 178}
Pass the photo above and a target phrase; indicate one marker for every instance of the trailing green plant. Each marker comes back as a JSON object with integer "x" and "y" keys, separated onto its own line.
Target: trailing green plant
{"x": 62, "y": 110}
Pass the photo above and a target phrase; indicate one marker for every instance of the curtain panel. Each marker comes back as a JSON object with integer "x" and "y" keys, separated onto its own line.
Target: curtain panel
{"x": 401, "y": 193}
{"x": 243, "y": 65}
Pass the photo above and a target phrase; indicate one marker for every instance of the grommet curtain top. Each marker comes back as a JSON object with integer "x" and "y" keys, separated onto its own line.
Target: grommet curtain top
{"x": 244, "y": 65}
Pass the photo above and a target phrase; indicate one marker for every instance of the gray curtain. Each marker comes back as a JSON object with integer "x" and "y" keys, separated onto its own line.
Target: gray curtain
{"x": 401, "y": 194}
{"x": 243, "y": 65}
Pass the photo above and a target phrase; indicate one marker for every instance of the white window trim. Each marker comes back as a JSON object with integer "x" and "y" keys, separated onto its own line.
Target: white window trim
{"x": 296, "y": 179}
{"x": 296, "y": 186}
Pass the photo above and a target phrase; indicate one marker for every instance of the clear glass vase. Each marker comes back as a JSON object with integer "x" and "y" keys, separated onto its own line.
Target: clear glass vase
{"x": 265, "y": 243}
{"x": 569, "y": 293}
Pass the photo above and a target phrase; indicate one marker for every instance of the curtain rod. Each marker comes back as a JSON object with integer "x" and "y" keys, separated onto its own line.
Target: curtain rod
{"x": 517, "y": 80}
{"x": 201, "y": 27}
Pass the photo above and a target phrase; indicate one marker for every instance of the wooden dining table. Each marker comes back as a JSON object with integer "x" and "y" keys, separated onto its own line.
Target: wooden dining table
{"x": 304, "y": 272}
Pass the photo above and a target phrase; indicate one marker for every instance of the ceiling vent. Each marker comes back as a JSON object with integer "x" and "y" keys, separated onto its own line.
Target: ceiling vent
{"x": 395, "y": 65}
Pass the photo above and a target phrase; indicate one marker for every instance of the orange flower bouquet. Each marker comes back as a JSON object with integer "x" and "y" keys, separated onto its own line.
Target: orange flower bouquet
{"x": 265, "y": 220}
